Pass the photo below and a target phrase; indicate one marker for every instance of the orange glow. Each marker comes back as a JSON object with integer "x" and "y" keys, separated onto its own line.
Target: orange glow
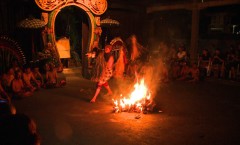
{"x": 135, "y": 100}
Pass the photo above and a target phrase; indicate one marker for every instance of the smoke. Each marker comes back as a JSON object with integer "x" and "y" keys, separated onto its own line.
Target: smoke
{"x": 153, "y": 72}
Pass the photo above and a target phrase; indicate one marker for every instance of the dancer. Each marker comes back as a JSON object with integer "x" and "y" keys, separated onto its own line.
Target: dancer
{"x": 106, "y": 73}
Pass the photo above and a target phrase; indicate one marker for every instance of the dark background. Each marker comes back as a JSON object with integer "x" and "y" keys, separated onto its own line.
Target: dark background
{"x": 173, "y": 26}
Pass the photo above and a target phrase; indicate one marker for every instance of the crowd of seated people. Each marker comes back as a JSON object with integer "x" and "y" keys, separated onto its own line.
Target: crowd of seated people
{"x": 25, "y": 80}
{"x": 204, "y": 62}
{"x": 220, "y": 65}
{"x": 217, "y": 65}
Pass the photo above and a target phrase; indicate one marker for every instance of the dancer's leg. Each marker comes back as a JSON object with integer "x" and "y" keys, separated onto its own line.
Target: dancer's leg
{"x": 96, "y": 94}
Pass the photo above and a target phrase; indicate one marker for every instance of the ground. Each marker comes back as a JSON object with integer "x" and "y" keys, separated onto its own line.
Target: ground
{"x": 206, "y": 113}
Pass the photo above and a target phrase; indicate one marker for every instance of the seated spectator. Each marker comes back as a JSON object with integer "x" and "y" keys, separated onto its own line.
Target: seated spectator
{"x": 19, "y": 89}
{"x": 204, "y": 63}
{"x": 30, "y": 80}
{"x": 185, "y": 72}
{"x": 7, "y": 80}
{"x": 18, "y": 129}
{"x": 52, "y": 78}
{"x": 231, "y": 65}
{"x": 194, "y": 73}
{"x": 3, "y": 94}
{"x": 218, "y": 64}
{"x": 204, "y": 59}
{"x": 181, "y": 55}
{"x": 46, "y": 68}
{"x": 38, "y": 76}
{"x": 179, "y": 62}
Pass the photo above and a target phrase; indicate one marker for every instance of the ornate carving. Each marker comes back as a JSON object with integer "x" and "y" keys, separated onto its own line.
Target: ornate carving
{"x": 97, "y": 7}
{"x": 49, "y": 5}
{"x": 97, "y": 21}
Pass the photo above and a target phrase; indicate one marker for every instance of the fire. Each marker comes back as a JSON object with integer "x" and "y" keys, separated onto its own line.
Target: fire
{"x": 136, "y": 100}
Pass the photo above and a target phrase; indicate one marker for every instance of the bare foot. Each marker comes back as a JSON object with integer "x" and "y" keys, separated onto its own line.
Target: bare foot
{"x": 93, "y": 101}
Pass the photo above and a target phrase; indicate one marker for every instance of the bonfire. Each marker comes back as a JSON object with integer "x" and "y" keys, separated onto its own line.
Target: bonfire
{"x": 139, "y": 100}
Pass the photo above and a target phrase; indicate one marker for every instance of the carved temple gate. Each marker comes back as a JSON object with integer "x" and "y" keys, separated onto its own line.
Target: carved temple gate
{"x": 92, "y": 8}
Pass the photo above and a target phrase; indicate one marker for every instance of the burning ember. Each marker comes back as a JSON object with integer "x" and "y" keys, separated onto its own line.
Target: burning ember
{"x": 137, "y": 101}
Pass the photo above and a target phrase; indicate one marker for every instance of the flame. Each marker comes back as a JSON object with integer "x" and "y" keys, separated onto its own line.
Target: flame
{"x": 135, "y": 100}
